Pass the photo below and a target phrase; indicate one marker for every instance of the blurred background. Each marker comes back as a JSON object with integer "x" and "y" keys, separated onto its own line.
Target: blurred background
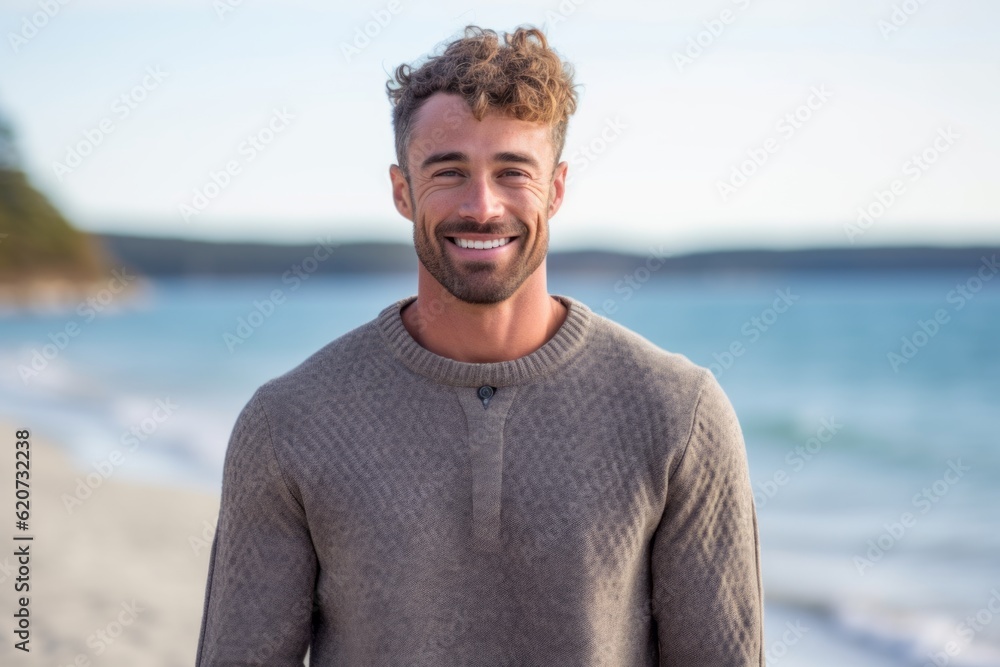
{"x": 803, "y": 197}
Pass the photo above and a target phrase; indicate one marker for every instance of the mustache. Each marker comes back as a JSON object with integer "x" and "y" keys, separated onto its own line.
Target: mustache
{"x": 459, "y": 227}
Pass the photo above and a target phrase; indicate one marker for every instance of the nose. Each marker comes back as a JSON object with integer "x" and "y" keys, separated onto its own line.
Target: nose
{"x": 480, "y": 201}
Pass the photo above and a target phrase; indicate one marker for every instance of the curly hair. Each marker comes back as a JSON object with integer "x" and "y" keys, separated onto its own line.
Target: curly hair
{"x": 522, "y": 78}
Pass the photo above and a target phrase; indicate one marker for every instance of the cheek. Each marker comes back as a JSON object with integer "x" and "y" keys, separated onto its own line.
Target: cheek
{"x": 434, "y": 204}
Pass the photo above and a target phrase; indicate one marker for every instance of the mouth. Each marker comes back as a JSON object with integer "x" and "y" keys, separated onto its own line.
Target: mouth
{"x": 480, "y": 242}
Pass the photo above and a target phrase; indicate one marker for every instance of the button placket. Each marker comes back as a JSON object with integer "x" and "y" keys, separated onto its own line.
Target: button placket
{"x": 486, "y": 448}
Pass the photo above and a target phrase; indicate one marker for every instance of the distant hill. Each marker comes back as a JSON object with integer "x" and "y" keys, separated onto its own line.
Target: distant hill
{"x": 182, "y": 257}
{"x": 36, "y": 241}
{"x": 38, "y": 246}
{"x": 179, "y": 257}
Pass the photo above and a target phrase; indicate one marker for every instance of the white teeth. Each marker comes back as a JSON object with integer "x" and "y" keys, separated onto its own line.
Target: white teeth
{"x": 481, "y": 245}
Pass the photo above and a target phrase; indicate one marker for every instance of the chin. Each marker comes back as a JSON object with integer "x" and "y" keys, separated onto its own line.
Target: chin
{"x": 470, "y": 292}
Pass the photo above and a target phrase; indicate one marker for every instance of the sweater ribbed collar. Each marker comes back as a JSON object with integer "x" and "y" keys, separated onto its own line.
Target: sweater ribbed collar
{"x": 564, "y": 345}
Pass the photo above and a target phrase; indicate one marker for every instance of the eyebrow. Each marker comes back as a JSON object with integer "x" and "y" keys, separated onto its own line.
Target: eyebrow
{"x": 517, "y": 158}
{"x": 458, "y": 156}
{"x": 436, "y": 158}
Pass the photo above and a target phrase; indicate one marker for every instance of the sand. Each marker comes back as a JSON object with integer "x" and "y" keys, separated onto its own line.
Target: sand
{"x": 117, "y": 581}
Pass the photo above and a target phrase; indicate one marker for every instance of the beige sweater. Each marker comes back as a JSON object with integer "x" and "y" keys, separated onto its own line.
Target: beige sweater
{"x": 379, "y": 507}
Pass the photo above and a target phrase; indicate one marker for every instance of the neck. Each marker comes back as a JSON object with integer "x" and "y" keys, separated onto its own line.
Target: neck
{"x": 483, "y": 333}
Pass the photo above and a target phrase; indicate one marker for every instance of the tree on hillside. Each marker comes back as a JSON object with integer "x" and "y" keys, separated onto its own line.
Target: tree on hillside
{"x": 36, "y": 241}
{"x": 8, "y": 153}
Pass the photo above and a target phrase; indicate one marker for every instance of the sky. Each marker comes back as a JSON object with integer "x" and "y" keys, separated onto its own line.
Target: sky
{"x": 701, "y": 125}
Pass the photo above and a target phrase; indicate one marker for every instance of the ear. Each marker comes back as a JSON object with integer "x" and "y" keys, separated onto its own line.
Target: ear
{"x": 401, "y": 192}
{"x": 558, "y": 188}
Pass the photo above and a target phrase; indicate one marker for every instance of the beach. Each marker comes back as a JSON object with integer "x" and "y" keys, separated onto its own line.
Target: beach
{"x": 116, "y": 580}
{"x": 875, "y": 483}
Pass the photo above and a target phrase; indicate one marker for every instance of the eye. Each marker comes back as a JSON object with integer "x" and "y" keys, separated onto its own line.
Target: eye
{"x": 448, "y": 173}
{"x": 514, "y": 173}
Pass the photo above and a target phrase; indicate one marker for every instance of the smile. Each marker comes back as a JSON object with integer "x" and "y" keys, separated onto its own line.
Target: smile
{"x": 479, "y": 244}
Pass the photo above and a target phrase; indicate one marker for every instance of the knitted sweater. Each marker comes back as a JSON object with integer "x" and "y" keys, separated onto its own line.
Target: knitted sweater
{"x": 586, "y": 504}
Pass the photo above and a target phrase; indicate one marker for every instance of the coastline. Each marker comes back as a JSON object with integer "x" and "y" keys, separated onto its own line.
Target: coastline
{"x": 119, "y": 580}
{"x": 59, "y": 294}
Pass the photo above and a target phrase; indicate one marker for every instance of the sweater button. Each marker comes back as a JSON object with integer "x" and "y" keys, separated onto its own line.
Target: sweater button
{"x": 485, "y": 393}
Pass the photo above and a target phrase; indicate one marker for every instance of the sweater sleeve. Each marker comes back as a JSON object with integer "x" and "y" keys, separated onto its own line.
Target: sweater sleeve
{"x": 262, "y": 571}
{"x": 707, "y": 598}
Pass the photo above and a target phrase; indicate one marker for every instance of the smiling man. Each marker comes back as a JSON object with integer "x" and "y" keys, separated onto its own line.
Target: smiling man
{"x": 486, "y": 473}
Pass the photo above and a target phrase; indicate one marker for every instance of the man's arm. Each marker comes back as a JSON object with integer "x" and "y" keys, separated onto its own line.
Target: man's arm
{"x": 707, "y": 595}
{"x": 259, "y": 596}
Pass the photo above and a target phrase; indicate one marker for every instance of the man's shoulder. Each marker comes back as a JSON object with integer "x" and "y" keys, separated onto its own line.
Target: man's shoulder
{"x": 329, "y": 369}
{"x": 655, "y": 380}
{"x": 628, "y": 353}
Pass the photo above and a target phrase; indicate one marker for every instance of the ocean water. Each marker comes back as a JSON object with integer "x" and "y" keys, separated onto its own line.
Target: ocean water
{"x": 870, "y": 406}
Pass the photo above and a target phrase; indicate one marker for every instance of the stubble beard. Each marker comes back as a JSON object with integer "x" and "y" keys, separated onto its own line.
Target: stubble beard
{"x": 485, "y": 282}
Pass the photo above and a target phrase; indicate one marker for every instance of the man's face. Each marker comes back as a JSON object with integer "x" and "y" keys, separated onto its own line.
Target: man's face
{"x": 487, "y": 183}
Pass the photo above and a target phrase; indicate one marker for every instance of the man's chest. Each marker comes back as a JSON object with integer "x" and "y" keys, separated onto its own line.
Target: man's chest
{"x": 444, "y": 472}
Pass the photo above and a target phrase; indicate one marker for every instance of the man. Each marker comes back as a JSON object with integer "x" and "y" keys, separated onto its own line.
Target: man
{"x": 485, "y": 474}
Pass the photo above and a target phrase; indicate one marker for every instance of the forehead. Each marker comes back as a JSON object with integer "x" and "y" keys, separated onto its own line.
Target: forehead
{"x": 444, "y": 123}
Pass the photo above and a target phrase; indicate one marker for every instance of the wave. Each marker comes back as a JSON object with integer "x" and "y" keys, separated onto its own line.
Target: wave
{"x": 183, "y": 445}
{"x": 904, "y": 637}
